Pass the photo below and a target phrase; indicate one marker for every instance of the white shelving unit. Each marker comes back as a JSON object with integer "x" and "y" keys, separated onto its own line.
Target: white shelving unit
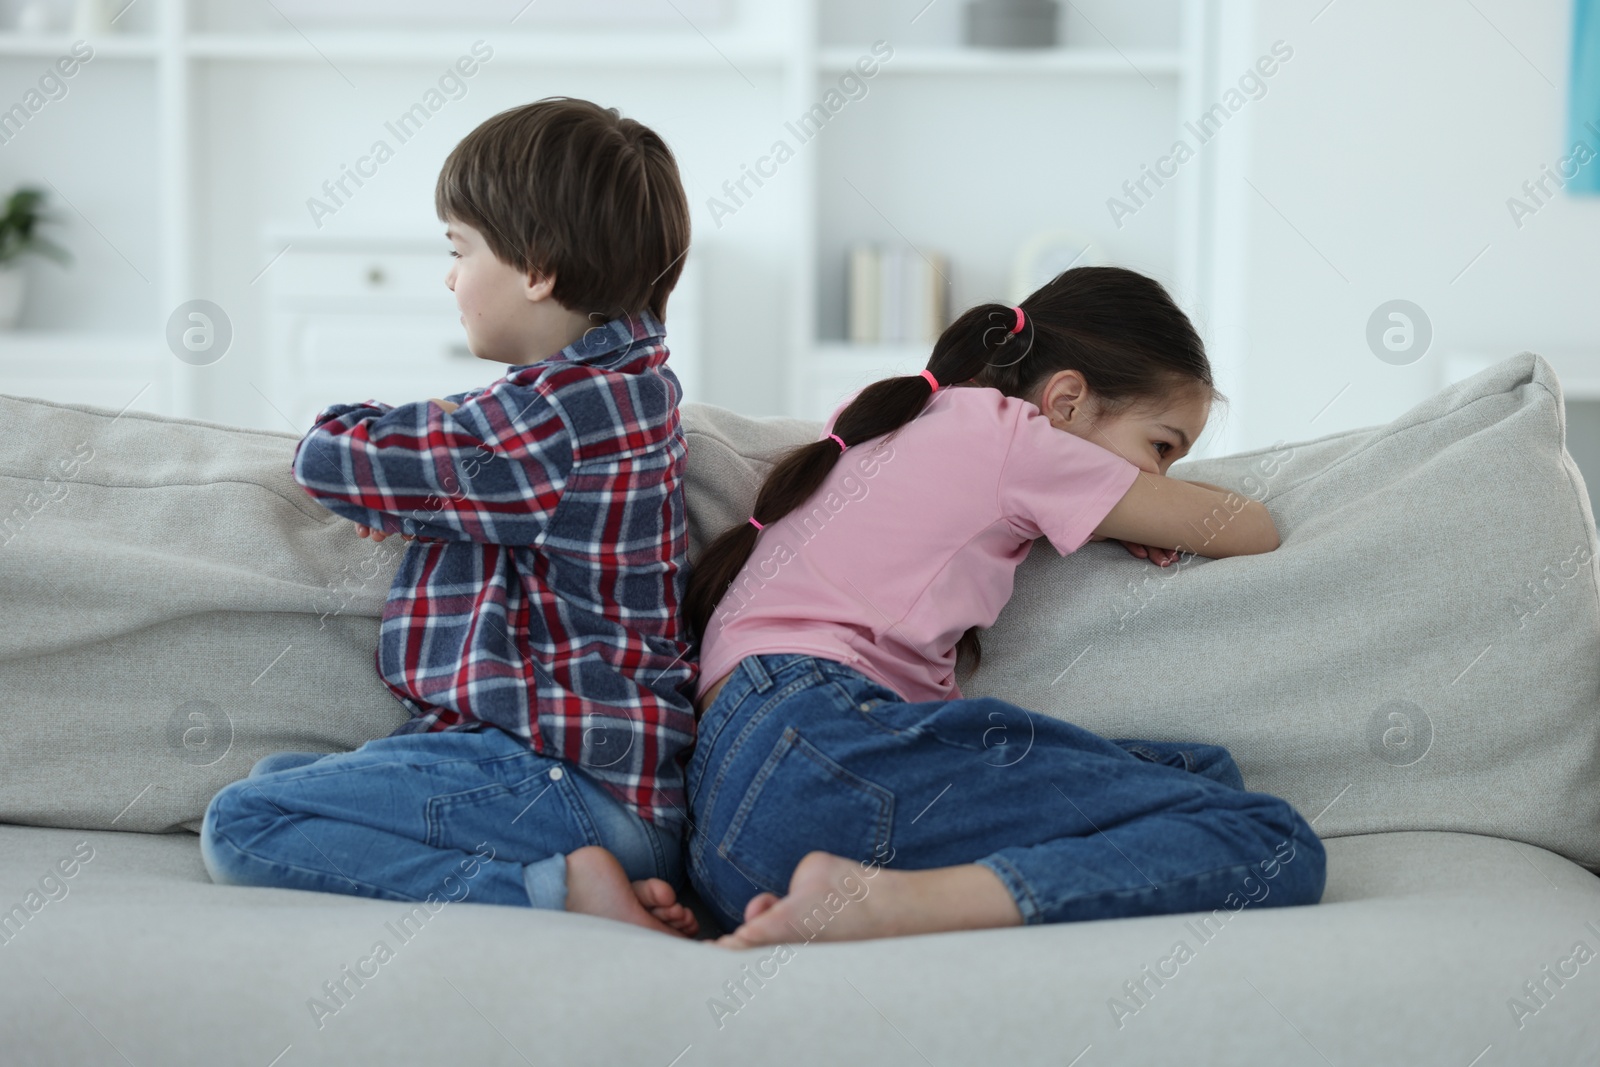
{"x": 1049, "y": 109}
{"x": 835, "y": 59}
{"x": 173, "y": 52}
{"x": 1036, "y": 101}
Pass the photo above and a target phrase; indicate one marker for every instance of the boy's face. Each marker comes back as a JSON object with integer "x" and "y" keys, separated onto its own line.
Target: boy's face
{"x": 505, "y": 314}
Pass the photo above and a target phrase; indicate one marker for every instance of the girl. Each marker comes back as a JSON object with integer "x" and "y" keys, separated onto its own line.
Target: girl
{"x": 841, "y": 787}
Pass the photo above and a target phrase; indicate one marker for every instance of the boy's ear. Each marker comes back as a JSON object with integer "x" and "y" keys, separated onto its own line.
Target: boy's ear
{"x": 539, "y": 286}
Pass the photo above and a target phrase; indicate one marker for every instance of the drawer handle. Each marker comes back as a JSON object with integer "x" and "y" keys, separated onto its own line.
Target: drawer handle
{"x": 375, "y": 276}
{"x": 460, "y": 352}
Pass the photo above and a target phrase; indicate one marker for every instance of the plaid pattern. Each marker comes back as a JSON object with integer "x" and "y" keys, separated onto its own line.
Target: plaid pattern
{"x": 545, "y": 600}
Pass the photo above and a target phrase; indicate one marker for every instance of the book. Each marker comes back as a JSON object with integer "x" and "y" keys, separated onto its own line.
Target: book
{"x": 891, "y": 294}
{"x": 936, "y": 300}
{"x": 862, "y": 295}
{"x": 895, "y": 295}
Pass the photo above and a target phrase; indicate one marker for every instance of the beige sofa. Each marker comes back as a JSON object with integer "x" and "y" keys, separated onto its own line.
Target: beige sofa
{"x": 1415, "y": 668}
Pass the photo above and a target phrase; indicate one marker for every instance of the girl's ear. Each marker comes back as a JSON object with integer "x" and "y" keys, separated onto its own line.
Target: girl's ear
{"x": 1063, "y": 397}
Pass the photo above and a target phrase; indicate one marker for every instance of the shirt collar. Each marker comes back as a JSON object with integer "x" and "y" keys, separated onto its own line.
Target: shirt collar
{"x": 617, "y": 336}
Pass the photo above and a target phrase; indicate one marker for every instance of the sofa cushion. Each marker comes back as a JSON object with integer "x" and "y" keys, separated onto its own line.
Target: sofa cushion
{"x": 1418, "y": 654}
{"x": 1421, "y": 952}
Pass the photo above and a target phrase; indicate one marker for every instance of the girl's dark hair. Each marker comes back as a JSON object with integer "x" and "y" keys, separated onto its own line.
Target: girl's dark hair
{"x": 1116, "y": 327}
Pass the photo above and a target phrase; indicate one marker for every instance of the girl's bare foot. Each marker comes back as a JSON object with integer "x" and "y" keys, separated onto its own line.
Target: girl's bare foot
{"x": 834, "y": 899}
{"x": 597, "y": 885}
{"x": 660, "y": 900}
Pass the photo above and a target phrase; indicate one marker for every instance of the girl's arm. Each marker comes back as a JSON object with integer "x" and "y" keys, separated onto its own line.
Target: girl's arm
{"x": 1190, "y": 517}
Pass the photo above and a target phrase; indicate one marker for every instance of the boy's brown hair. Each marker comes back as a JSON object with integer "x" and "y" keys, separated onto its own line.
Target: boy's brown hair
{"x": 565, "y": 186}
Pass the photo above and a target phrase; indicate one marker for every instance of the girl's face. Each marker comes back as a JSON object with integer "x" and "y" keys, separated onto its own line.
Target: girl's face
{"x": 1152, "y": 439}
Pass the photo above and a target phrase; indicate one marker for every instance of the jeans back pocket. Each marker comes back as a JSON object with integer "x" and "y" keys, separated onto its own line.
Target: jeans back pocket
{"x": 799, "y": 801}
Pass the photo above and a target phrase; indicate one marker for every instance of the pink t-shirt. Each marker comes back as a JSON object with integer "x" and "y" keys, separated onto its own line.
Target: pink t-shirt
{"x": 912, "y": 538}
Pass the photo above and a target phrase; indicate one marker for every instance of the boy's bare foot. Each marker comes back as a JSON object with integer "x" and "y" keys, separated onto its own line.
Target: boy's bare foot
{"x": 597, "y": 885}
{"x": 834, "y": 899}
{"x": 659, "y": 898}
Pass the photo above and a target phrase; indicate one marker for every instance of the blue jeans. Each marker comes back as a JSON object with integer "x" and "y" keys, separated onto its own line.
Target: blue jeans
{"x": 456, "y": 814}
{"x": 801, "y": 752}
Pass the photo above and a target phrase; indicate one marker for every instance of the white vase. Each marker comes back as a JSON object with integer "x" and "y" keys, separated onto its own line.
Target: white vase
{"x": 91, "y": 17}
{"x": 34, "y": 17}
{"x": 12, "y": 290}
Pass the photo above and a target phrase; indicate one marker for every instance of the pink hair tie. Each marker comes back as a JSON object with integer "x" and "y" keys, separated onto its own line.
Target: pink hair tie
{"x": 932, "y": 381}
{"x": 759, "y": 526}
{"x": 842, "y": 445}
{"x": 1020, "y": 319}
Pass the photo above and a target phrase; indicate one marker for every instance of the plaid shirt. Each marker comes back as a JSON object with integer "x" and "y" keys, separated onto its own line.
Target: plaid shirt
{"x": 546, "y": 600}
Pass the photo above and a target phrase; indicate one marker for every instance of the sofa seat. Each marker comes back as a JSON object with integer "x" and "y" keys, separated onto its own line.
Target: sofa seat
{"x": 1417, "y": 955}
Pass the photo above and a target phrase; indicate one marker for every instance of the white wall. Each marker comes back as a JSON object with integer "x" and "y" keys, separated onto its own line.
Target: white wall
{"x": 1377, "y": 166}
{"x": 1387, "y": 148}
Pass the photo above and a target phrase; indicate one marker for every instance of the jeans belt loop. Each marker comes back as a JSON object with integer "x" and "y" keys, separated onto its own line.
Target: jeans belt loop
{"x": 762, "y": 680}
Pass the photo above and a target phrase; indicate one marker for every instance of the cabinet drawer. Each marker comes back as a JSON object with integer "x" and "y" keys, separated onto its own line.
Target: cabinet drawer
{"x": 401, "y": 343}
{"x": 342, "y": 275}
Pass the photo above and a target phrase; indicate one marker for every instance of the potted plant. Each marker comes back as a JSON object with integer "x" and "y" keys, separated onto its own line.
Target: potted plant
{"x": 1012, "y": 23}
{"x": 17, "y": 237}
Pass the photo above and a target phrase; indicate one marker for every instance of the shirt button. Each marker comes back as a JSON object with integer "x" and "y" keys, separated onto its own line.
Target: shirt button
{"x": 555, "y": 774}
{"x": 866, "y": 707}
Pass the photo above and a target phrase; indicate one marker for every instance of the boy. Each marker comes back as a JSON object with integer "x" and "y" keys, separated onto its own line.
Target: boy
{"x": 533, "y": 627}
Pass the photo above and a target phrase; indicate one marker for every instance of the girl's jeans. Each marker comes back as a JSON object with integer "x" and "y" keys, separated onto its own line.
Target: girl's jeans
{"x": 802, "y": 753}
{"x": 469, "y": 814}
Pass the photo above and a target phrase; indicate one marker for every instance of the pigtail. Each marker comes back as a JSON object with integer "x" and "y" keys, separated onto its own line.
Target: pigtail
{"x": 963, "y": 349}
{"x": 1118, "y": 328}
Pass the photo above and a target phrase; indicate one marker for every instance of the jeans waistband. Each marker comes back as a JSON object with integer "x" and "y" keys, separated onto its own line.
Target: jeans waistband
{"x": 761, "y": 671}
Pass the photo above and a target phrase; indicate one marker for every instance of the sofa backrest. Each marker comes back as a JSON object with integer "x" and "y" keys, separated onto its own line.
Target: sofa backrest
{"x": 1420, "y": 653}
{"x": 176, "y": 607}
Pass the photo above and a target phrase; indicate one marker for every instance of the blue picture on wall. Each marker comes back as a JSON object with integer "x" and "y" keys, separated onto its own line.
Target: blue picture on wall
{"x": 1583, "y": 111}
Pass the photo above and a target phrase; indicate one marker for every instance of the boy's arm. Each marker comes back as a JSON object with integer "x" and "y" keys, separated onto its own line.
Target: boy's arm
{"x": 491, "y": 470}
{"x": 376, "y": 520}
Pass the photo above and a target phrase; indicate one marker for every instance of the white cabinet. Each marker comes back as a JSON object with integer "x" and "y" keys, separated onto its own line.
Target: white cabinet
{"x": 121, "y": 371}
{"x": 370, "y": 318}
{"x": 358, "y": 319}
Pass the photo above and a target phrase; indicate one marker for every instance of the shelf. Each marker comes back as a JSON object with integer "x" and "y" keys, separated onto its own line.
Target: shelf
{"x": 132, "y": 46}
{"x": 673, "y": 50}
{"x": 120, "y": 370}
{"x": 957, "y": 60}
{"x": 569, "y": 49}
{"x": 107, "y": 346}
{"x": 850, "y": 366}
{"x": 553, "y": 49}
{"x": 837, "y": 369}
{"x": 886, "y": 354}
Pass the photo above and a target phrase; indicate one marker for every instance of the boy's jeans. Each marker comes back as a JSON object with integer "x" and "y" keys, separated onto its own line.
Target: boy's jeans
{"x": 456, "y": 814}
{"x": 801, "y": 752}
